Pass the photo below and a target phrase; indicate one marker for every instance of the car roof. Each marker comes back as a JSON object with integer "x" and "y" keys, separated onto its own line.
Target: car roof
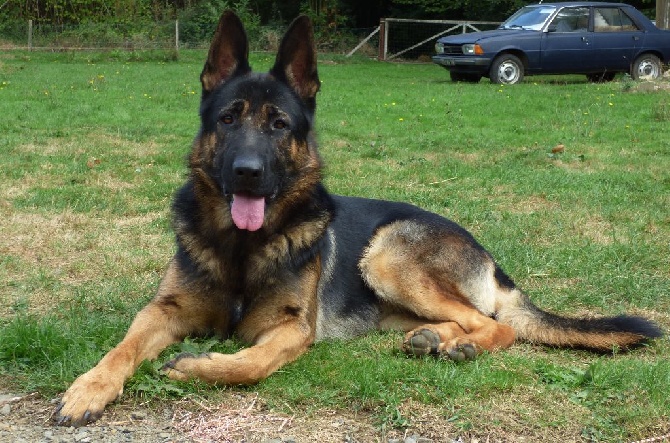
{"x": 562, "y": 4}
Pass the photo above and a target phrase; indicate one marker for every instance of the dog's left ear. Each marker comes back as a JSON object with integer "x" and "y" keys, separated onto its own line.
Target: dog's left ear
{"x": 296, "y": 61}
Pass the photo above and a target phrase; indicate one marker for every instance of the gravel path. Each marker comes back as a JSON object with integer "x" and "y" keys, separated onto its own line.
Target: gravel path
{"x": 25, "y": 418}
{"x": 244, "y": 418}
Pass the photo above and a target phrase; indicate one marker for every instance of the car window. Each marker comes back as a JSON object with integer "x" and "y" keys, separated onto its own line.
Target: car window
{"x": 612, "y": 20}
{"x": 571, "y": 20}
{"x": 529, "y": 17}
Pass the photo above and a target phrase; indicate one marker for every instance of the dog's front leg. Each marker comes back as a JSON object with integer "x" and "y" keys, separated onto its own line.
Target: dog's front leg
{"x": 272, "y": 349}
{"x": 171, "y": 315}
{"x": 280, "y": 326}
{"x": 86, "y": 399}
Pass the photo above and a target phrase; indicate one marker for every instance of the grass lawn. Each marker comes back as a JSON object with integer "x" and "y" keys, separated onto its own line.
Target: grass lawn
{"x": 567, "y": 183}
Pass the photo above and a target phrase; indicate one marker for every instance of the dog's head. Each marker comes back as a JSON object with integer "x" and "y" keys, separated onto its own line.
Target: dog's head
{"x": 256, "y": 144}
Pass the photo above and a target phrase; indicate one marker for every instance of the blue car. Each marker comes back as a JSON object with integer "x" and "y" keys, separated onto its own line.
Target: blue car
{"x": 592, "y": 38}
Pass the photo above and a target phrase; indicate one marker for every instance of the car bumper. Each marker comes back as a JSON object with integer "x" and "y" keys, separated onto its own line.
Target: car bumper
{"x": 460, "y": 63}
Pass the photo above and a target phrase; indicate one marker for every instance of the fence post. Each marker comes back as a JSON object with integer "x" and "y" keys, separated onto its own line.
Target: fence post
{"x": 383, "y": 35}
{"x": 663, "y": 14}
{"x": 30, "y": 35}
{"x": 176, "y": 35}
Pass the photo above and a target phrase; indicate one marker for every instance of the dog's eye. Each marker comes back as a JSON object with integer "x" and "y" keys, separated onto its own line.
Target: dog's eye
{"x": 227, "y": 119}
{"x": 280, "y": 124}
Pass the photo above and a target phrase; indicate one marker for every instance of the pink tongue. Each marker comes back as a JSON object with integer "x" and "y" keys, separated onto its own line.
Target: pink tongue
{"x": 248, "y": 212}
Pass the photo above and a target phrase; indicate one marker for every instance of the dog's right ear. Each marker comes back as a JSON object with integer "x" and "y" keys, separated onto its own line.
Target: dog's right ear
{"x": 228, "y": 54}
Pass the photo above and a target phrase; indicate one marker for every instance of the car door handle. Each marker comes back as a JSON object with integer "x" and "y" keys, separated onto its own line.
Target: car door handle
{"x": 636, "y": 38}
{"x": 585, "y": 40}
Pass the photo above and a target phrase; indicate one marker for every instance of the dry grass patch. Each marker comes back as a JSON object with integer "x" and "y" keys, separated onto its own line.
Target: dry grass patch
{"x": 504, "y": 418}
{"x": 104, "y": 143}
{"x": 245, "y": 417}
{"x": 598, "y": 230}
{"x": 471, "y": 158}
{"x": 56, "y": 253}
{"x": 505, "y": 199}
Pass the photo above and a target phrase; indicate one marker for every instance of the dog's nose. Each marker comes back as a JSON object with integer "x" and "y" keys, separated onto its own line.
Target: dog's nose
{"x": 248, "y": 170}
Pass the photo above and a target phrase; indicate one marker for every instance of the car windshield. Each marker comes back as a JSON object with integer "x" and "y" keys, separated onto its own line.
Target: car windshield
{"x": 529, "y": 17}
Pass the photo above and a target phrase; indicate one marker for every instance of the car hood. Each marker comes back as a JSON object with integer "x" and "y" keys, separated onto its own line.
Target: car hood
{"x": 474, "y": 37}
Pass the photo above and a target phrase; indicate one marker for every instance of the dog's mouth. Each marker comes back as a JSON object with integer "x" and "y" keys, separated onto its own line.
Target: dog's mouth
{"x": 248, "y": 211}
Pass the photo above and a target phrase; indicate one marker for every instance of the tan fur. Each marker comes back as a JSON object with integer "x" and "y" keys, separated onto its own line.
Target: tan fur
{"x": 202, "y": 151}
{"x": 408, "y": 267}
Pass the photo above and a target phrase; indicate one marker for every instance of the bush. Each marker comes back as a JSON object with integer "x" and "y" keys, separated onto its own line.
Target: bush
{"x": 13, "y": 30}
{"x": 197, "y": 24}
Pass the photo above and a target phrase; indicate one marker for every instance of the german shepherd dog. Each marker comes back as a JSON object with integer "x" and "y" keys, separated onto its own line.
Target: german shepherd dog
{"x": 264, "y": 252}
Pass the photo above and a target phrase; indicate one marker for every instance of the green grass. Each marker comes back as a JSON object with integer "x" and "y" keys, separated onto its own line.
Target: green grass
{"x": 93, "y": 146}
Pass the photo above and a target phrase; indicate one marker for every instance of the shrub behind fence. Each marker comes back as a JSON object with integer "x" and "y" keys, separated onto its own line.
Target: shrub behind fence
{"x": 160, "y": 35}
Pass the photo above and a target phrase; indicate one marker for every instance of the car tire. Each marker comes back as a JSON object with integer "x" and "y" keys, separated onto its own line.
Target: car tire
{"x": 465, "y": 77}
{"x": 506, "y": 69}
{"x": 601, "y": 77}
{"x": 646, "y": 67}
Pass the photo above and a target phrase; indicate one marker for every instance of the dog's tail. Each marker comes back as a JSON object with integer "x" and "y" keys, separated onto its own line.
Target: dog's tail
{"x": 603, "y": 334}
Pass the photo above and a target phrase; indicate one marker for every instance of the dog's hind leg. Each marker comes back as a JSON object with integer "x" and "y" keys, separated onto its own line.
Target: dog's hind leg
{"x": 440, "y": 277}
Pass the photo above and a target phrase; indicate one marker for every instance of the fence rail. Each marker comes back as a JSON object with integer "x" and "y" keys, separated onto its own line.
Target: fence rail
{"x": 415, "y": 38}
{"x": 168, "y": 35}
{"x": 35, "y": 36}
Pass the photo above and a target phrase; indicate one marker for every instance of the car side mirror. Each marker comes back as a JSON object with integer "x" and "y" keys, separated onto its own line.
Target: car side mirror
{"x": 551, "y": 28}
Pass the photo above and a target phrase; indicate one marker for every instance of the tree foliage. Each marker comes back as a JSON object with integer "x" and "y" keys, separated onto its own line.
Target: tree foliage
{"x": 199, "y": 21}
{"x": 81, "y": 11}
{"x": 331, "y": 13}
{"x": 462, "y": 9}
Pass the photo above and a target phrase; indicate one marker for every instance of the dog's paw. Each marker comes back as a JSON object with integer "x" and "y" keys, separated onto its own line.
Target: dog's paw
{"x": 421, "y": 342}
{"x": 62, "y": 416}
{"x": 182, "y": 367}
{"x": 459, "y": 351}
{"x": 427, "y": 342}
{"x": 85, "y": 401}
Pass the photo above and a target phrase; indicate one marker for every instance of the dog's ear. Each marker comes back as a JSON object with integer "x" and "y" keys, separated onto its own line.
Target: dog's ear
{"x": 228, "y": 54}
{"x": 296, "y": 61}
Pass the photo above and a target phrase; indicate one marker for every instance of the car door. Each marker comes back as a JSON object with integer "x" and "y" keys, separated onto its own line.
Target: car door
{"x": 616, "y": 39}
{"x": 567, "y": 44}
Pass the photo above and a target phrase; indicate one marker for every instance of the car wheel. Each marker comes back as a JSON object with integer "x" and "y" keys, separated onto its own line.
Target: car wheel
{"x": 464, "y": 77}
{"x": 506, "y": 69}
{"x": 647, "y": 67}
{"x": 602, "y": 77}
